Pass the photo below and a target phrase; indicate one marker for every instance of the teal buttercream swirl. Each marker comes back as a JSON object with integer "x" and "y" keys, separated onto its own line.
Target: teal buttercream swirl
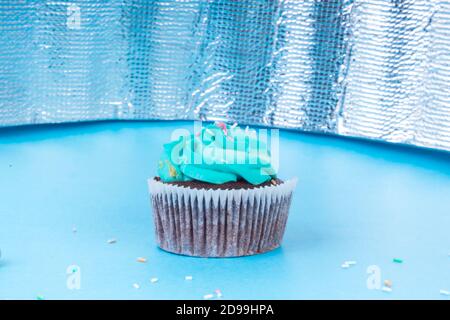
{"x": 219, "y": 153}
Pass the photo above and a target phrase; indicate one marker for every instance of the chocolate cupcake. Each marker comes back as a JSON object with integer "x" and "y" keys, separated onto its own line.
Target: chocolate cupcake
{"x": 217, "y": 195}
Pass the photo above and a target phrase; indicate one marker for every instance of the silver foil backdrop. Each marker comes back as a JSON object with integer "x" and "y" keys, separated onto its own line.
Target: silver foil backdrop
{"x": 378, "y": 69}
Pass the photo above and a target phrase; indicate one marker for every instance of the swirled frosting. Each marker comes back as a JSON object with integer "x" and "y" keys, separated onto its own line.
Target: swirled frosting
{"x": 219, "y": 153}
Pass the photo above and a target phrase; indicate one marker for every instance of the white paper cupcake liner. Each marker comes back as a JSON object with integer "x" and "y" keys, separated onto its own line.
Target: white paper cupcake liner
{"x": 220, "y": 223}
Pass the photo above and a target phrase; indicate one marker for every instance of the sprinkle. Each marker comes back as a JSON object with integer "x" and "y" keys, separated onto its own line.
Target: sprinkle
{"x": 444, "y": 292}
{"x": 39, "y": 297}
{"x": 222, "y": 126}
{"x": 234, "y": 125}
{"x": 218, "y": 293}
{"x": 136, "y": 286}
{"x": 154, "y": 280}
{"x": 388, "y": 283}
{"x": 188, "y": 278}
{"x": 140, "y": 259}
{"x": 347, "y": 264}
{"x": 172, "y": 171}
{"x": 274, "y": 182}
{"x": 397, "y": 260}
{"x": 111, "y": 241}
{"x": 208, "y": 296}
{"x": 386, "y": 289}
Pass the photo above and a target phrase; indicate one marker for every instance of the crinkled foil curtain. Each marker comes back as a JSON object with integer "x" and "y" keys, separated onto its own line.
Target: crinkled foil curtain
{"x": 378, "y": 69}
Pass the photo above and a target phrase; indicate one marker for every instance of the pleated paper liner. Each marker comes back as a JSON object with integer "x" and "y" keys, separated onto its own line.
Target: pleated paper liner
{"x": 220, "y": 223}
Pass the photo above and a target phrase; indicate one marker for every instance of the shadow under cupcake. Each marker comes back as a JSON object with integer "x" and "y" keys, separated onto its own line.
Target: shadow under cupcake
{"x": 219, "y": 206}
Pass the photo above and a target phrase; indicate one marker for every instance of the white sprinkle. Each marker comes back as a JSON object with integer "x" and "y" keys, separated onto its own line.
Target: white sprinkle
{"x": 234, "y": 125}
{"x": 444, "y": 292}
{"x": 136, "y": 286}
{"x": 140, "y": 259}
{"x": 347, "y": 264}
{"x": 154, "y": 280}
{"x": 111, "y": 241}
{"x": 188, "y": 278}
{"x": 208, "y": 296}
{"x": 386, "y": 289}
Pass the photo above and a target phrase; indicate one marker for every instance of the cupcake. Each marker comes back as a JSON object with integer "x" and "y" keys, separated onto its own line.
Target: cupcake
{"x": 217, "y": 194}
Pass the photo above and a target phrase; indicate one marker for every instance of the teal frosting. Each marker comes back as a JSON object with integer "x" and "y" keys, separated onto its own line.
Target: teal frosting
{"x": 219, "y": 153}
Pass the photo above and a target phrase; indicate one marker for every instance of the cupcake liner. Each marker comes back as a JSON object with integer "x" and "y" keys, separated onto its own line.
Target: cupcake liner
{"x": 220, "y": 223}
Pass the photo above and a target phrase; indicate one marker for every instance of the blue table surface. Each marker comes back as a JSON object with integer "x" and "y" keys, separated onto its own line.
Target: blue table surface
{"x": 356, "y": 200}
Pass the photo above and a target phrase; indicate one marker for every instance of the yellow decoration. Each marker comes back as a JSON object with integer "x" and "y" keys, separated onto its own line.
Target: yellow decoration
{"x": 172, "y": 171}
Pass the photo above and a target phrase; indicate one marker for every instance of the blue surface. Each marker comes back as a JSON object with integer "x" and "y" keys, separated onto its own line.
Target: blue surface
{"x": 355, "y": 201}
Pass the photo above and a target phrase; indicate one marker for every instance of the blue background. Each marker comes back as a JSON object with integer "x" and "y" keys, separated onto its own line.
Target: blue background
{"x": 355, "y": 201}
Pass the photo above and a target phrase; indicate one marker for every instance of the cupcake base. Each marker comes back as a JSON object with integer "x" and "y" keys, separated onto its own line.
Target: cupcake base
{"x": 220, "y": 223}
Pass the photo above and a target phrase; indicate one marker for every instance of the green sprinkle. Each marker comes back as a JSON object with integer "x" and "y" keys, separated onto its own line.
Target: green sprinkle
{"x": 40, "y": 297}
{"x": 397, "y": 260}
